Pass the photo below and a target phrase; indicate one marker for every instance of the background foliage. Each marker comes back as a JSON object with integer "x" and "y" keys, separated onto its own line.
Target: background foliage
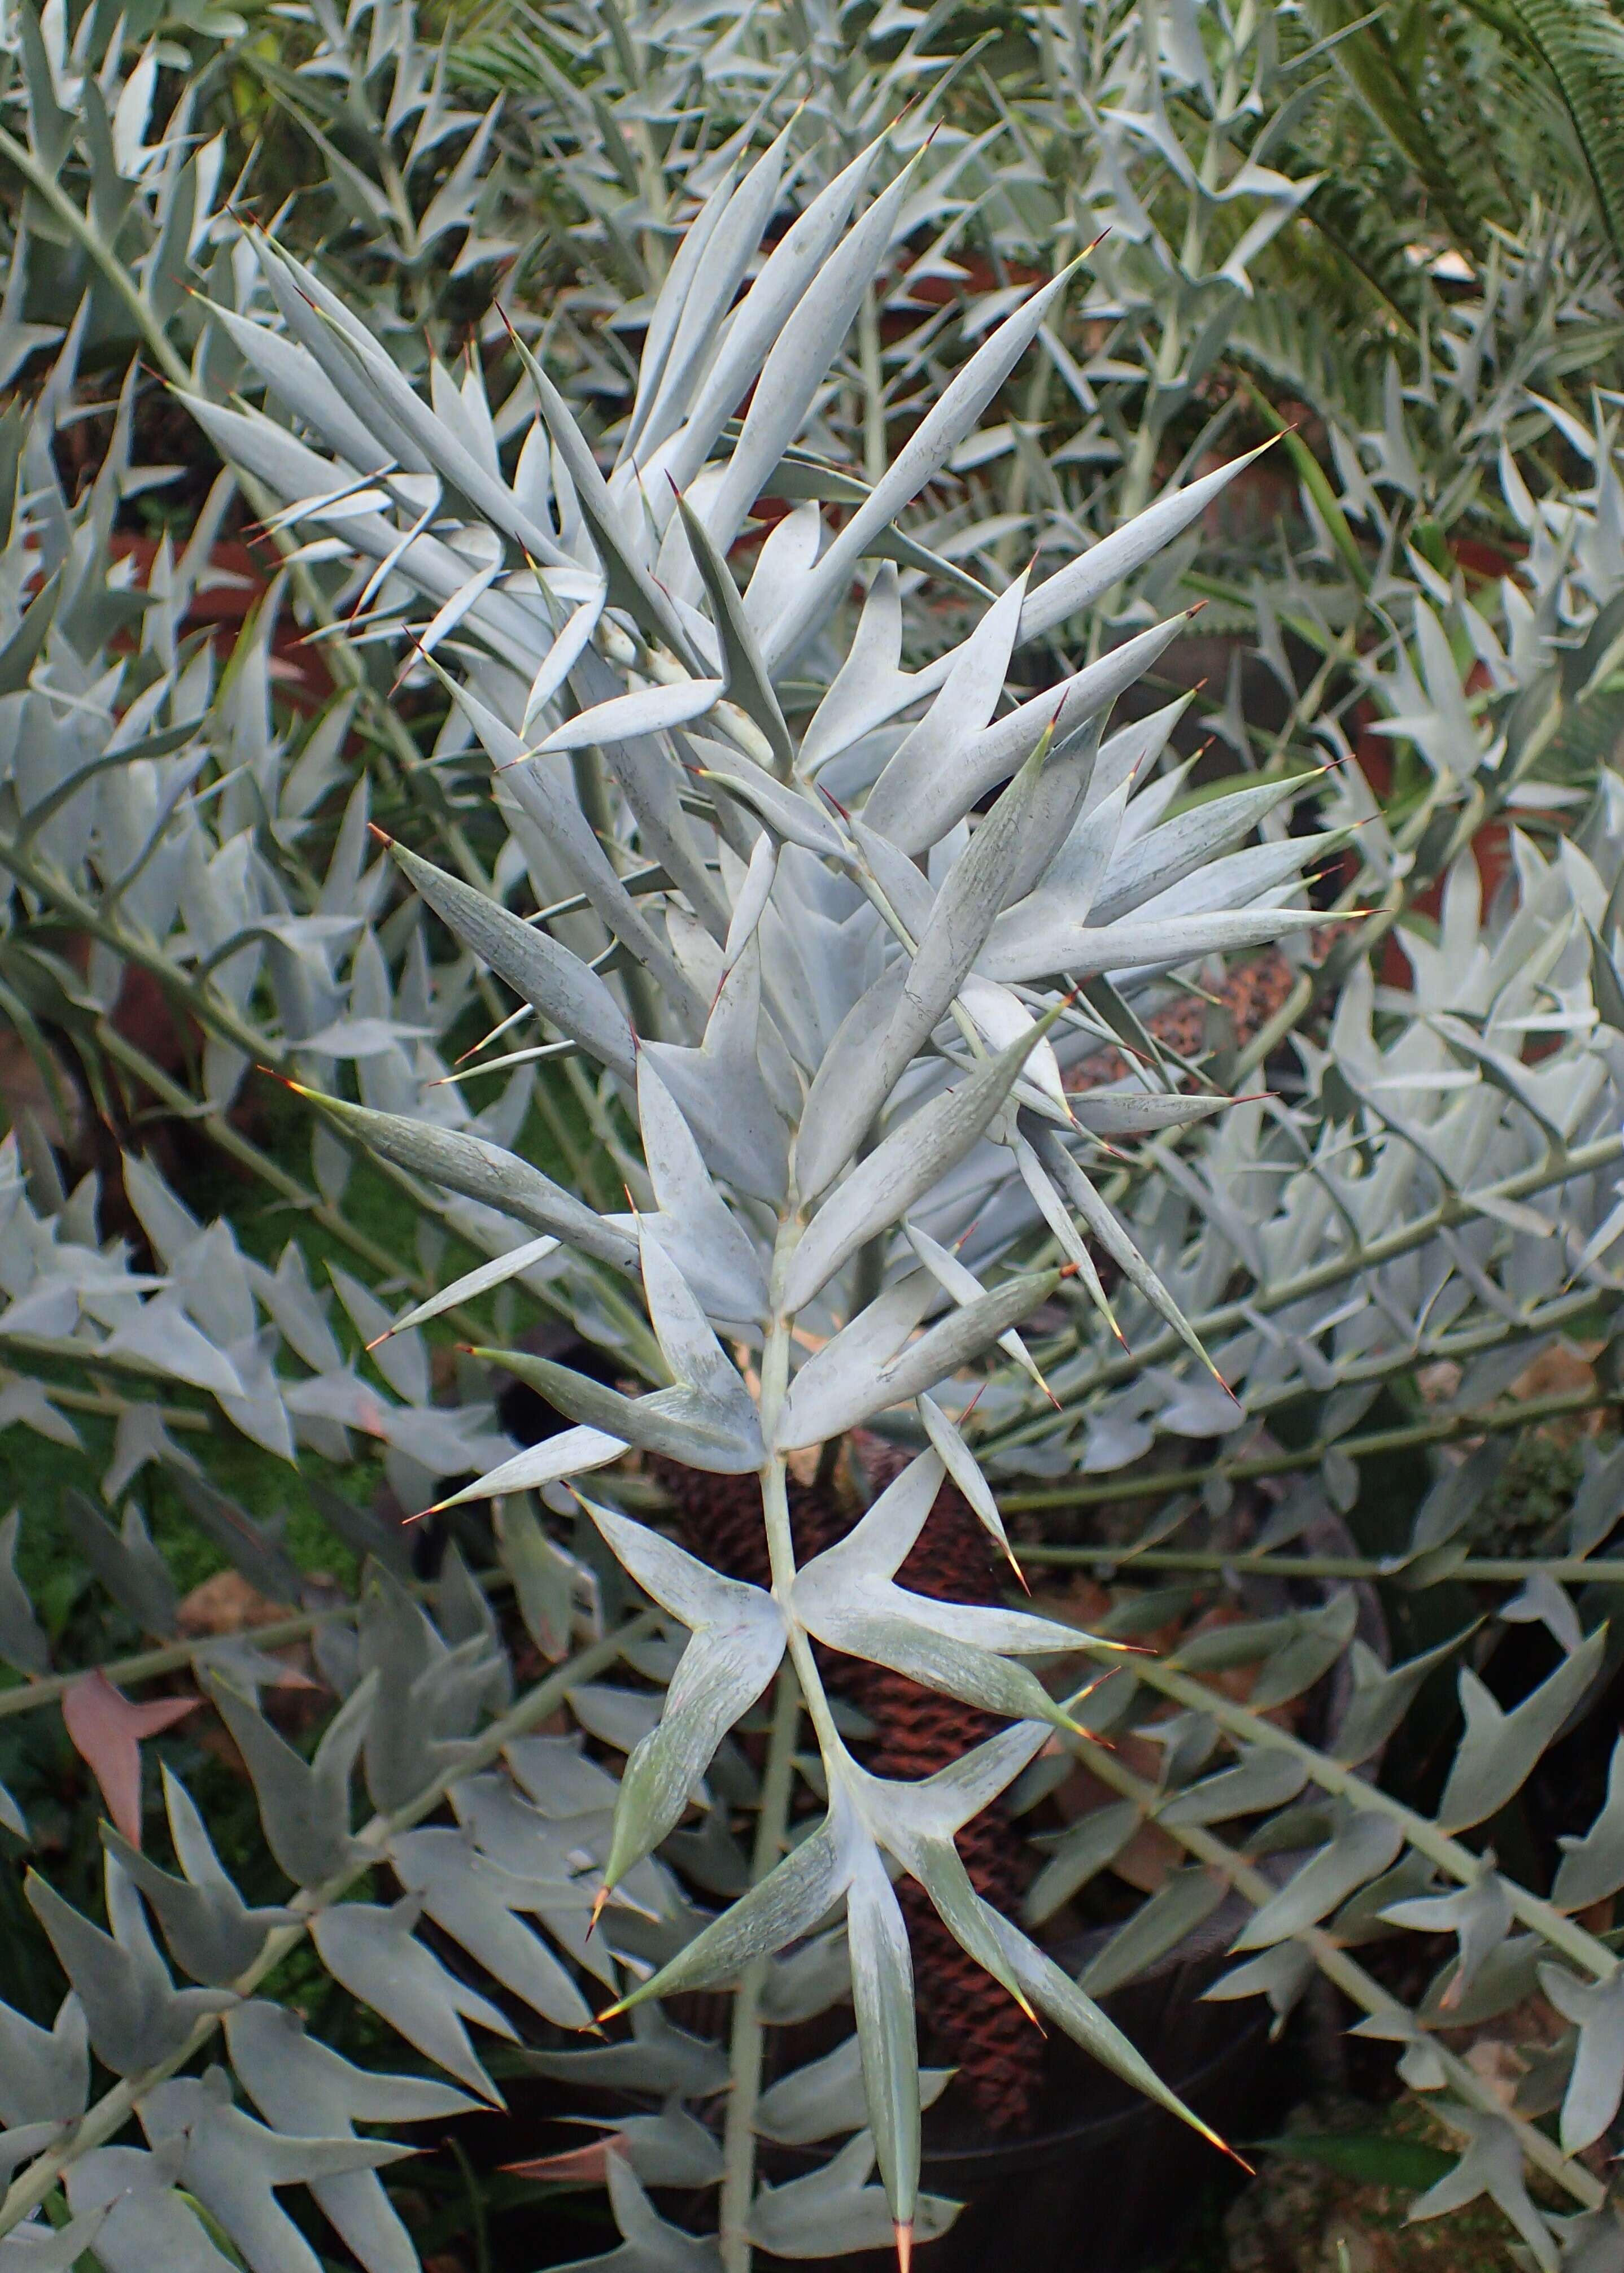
{"x": 371, "y": 420}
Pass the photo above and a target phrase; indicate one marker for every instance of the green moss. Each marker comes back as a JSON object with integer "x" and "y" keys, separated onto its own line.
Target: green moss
{"x": 1534, "y": 1493}
{"x": 1352, "y": 2183}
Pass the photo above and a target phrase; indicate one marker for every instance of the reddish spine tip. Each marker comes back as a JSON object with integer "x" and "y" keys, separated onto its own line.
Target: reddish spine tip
{"x": 904, "y": 2245}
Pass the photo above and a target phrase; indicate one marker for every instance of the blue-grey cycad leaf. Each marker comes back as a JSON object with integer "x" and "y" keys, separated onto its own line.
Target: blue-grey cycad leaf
{"x": 682, "y": 1423}
{"x": 1597, "y": 2083}
{"x": 480, "y": 1280}
{"x": 373, "y": 375}
{"x": 1593, "y": 1867}
{"x": 837, "y": 1378}
{"x": 303, "y": 1805}
{"x": 736, "y": 1639}
{"x": 44, "y": 2073}
{"x": 553, "y": 982}
{"x": 461, "y": 1162}
{"x": 1081, "y": 1852}
{"x": 825, "y": 2098}
{"x": 672, "y": 2149}
{"x": 847, "y": 1597}
{"x": 799, "y": 256}
{"x": 11, "y": 1817}
{"x": 1281, "y": 1974}
{"x": 842, "y": 1400}
{"x": 1263, "y": 1779}
{"x": 1166, "y": 855}
{"x": 571, "y": 1452}
{"x": 1363, "y": 1846}
{"x": 1061, "y": 1999}
{"x": 689, "y": 1345}
{"x": 232, "y": 2165}
{"x": 299, "y": 383}
{"x": 922, "y": 457}
{"x": 1180, "y": 1904}
{"x": 658, "y": 2057}
{"x": 648, "y": 2244}
{"x": 708, "y": 1242}
{"x": 843, "y": 1100}
{"x": 429, "y": 1696}
{"x": 1082, "y": 581}
{"x": 1292, "y": 1651}
{"x": 796, "y": 364}
{"x": 1491, "y": 2166}
{"x": 699, "y": 293}
{"x": 1141, "y": 1112}
{"x": 1062, "y": 796}
{"x": 145, "y": 2221}
{"x": 267, "y": 451}
{"x": 302, "y": 300}
{"x": 373, "y": 1953}
{"x": 1479, "y": 1916}
{"x": 793, "y": 1898}
{"x": 300, "y": 2084}
{"x": 1497, "y": 1750}
{"x": 965, "y": 1471}
{"x": 480, "y": 1905}
{"x": 135, "y": 2016}
{"x": 962, "y": 914}
{"x": 560, "y": 660}
{"x": 951, "y": 1275}
{"x": 210, "y": 1933}
{"x": 34, "y": 2247}
{"x": 1540, "y": 1600}
{"x": 870, "y": 685}
{"x": 687, "y": 262}
{"x": 790, "y": 813}
{"x": 719, "y": 1088}
{"x": 835, "y": 2209}
{"x": 1256, "y": 878}
{"x": 964, "y": 1335}
{"x": 1595, "y": 1504}
{"x": 996, "y": 751}
{"x": 754, "y": 891}
{"x": 1382, "y": 1695}
{"x": 1117, "y": 1242}
{"x": 747, "y": 681}
{"x": 1033, "y": 942}
{"x": 623, "y": 717}
{"x": 905, "y": 803}
{"x": 544, "y": 1579}
{"x": 542, "y": 790}
{"x": 902, "y": 1169}
{"x": 252, "y": 1547}
{"x": 918, "y": 1823}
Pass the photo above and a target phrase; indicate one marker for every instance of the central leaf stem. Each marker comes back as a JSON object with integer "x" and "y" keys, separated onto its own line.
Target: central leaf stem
{"x": 798, "y": 1682}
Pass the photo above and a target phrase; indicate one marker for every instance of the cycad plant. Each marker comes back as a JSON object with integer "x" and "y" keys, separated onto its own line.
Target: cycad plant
{"x": 805, "y": 939}
{"x": 834, "y": 1047}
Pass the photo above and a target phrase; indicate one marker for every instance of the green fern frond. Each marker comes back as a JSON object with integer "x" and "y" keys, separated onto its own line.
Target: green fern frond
{"x": 1581, "y": 45}
{"x": 1425, "y": 107}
